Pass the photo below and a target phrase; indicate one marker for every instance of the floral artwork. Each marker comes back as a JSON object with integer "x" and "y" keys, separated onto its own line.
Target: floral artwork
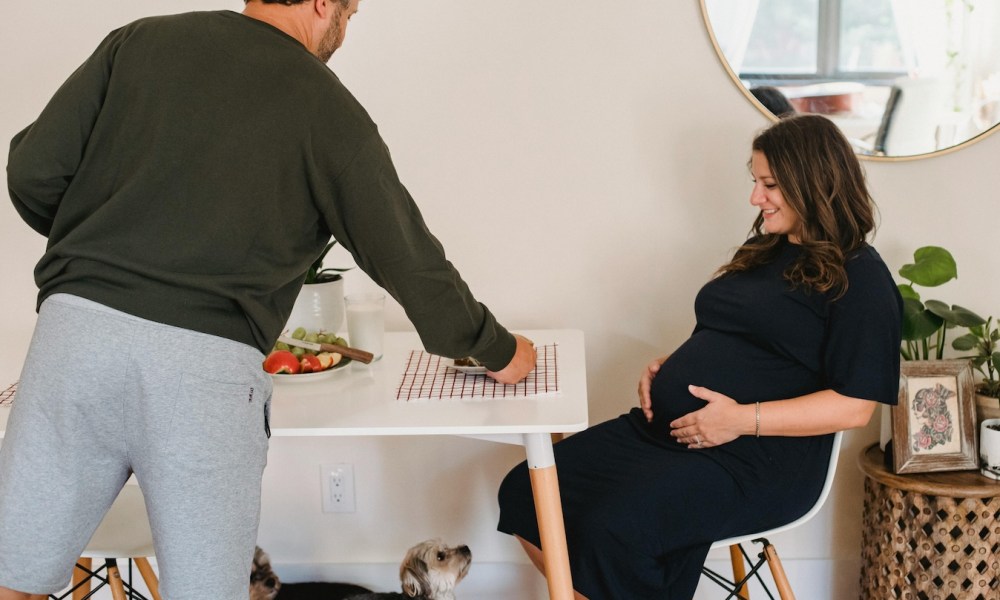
{"x": 932, "y": 416}
{"x": 934, "y": 422}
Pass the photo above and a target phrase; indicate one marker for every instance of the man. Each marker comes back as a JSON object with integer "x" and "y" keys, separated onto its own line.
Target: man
{"x": 186, "y": 175}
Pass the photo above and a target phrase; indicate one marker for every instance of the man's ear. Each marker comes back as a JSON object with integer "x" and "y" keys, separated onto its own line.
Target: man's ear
{"x": 321, "y": 8}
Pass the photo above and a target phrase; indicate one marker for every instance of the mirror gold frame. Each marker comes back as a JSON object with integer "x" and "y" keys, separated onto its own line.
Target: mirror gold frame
{"x": 735, "y": 78}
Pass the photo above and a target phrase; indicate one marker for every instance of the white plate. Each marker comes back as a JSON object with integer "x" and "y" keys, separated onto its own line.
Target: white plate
{"x": 468, "y": 370}
{"x": 311, "y": 377}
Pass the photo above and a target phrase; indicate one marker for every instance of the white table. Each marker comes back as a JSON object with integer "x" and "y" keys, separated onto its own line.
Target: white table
{"x": 361, "y": 401}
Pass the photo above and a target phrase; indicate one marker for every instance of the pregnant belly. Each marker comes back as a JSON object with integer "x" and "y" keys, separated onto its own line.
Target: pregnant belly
{"x": 729, "y": 365}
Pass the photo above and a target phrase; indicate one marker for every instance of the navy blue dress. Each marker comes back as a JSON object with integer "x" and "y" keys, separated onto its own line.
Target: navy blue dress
{"x": 642, "y": 510}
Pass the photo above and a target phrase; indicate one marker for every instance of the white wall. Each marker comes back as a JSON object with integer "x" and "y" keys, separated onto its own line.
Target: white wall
{"x": 584, "y": 164}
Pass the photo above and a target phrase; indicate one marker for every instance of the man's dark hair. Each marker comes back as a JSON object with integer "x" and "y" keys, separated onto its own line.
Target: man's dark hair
{"x": 344, "y": 3}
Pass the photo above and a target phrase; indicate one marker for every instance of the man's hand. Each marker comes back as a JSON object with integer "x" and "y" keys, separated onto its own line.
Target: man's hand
{"x": 519, "y": 366}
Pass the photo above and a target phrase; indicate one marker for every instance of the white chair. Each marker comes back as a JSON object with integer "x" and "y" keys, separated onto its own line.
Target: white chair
{"x": 913, "y": 116}
{"x": 124, "y": 533}
{"x": 737, "y": 588}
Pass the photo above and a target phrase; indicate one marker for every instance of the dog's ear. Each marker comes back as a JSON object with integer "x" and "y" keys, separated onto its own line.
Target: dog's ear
{"x": 413, "y": 575}
{"x": 260, "y": 558}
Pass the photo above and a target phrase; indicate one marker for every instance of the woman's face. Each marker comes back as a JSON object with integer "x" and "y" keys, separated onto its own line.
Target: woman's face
{"x": 779, "y": 218}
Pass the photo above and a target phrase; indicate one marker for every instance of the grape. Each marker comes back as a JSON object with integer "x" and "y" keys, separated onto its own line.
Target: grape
{"x": 298, "y": 352}
{"x": 299, "y": 333}
{"x": 281, "y": 346}
{"x": 311, "y": 337}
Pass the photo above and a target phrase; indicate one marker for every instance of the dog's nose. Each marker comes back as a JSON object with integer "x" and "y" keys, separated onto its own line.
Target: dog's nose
{"x": 270, "y": 582}
{"x": 464, "y": 551}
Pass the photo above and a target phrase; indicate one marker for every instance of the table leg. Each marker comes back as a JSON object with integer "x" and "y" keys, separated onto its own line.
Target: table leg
{"x": 548, "y": 511}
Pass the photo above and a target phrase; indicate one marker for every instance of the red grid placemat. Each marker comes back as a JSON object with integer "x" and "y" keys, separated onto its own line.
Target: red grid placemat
{"x": 7, "y": 396}
{"x": 427, "y": 377}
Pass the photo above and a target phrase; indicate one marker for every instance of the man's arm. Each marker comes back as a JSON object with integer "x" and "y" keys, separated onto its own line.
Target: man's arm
{"x": 45, "y": 156}
{"x": 376, "y": 220}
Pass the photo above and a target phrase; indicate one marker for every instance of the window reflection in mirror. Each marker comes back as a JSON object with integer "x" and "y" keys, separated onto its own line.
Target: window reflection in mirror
{"x": 900, "y": 77}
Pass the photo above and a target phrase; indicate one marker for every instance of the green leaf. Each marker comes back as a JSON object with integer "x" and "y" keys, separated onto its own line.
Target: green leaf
{"x": 932, "y": 266}
{"x": 919, "y": 324}
{"x": 906, "y": 291}
{"x": 996, "y": 360}
{"x": 965, "y": 343}
{"x": 956, "y": 315}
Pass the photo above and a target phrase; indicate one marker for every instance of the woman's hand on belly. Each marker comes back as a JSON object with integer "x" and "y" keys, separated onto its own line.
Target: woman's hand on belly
{"x": 721, "y": 421}
{"x": 645, "y": 402}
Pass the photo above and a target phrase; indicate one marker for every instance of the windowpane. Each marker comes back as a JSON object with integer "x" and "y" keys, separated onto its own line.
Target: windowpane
{"x": 868, "y": 37}
{"x": 784, "y": 37}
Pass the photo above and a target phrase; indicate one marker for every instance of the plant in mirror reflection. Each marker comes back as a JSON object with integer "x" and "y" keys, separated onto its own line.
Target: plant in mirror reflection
{"x": 926, "y": 322}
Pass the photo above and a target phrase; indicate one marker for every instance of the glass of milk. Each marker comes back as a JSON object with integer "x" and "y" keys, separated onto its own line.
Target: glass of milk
{"x": 366, "y": 321}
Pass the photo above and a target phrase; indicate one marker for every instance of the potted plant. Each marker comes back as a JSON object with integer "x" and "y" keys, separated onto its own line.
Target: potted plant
{"x": 989, "y": 448}
{"x": 984, "y": 343}
{"x": 926, "y": 323}
{"x": 320, "y": 303}
{"x": 318, "y": 274}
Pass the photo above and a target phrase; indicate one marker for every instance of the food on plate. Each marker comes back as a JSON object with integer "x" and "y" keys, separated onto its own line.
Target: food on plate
{"x": 282, "y": 361}
{"x": 310, "y": 364}
{"x": 328, "y": 360}
{"x": 468, "y": 361}
{"x": 286, "y": 359}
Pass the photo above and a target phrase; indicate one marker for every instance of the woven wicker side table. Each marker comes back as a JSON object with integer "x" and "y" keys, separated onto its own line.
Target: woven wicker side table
{"x": 929, "y": 536}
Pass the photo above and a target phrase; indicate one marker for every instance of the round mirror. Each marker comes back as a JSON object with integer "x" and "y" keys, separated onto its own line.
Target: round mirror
{"x": 901, "y": 78}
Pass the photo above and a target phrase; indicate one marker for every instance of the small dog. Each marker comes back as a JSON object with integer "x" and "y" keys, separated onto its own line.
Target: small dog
{"x": 429, "y": 571}
{"x": 264, "y": 584}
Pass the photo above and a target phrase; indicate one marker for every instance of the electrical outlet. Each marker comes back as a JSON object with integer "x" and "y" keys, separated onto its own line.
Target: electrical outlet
{"x": 337, "y": 482}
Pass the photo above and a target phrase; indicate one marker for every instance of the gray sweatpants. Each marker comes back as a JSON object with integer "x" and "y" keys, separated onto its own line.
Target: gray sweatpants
{"x": 104, "y": 394}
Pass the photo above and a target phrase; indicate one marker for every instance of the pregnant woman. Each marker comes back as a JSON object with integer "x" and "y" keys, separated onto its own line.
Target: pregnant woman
{"x": 797, "y": 337}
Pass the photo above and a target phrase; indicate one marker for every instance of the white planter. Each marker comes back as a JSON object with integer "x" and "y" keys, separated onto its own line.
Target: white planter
{"x": 989, "y": 449}
{"x": 319, "y": 307}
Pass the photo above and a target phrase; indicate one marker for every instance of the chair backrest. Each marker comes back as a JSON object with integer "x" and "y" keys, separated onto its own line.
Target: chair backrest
{"x": 827, "y": 486}
{"x": 913, "y": 117}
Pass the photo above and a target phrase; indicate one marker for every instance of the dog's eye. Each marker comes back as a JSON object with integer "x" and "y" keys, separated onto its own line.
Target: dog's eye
{"x": 442, "y": 555}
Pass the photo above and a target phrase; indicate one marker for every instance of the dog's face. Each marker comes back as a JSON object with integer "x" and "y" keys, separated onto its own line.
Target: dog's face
{"x": 433, "y": 569}
{"x": 264, "y": 584}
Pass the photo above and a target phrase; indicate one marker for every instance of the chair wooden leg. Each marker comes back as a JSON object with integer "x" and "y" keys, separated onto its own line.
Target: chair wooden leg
{"x": 79, "y": 576}
{"x": 739, "y": 569}
{"x": 115, "y": 579}
{"x": 152, "y": 583}
{"x": 778, "y": 573}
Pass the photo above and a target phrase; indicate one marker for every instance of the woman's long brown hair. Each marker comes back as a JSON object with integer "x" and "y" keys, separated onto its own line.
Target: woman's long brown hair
{"x": 821, "y": 181}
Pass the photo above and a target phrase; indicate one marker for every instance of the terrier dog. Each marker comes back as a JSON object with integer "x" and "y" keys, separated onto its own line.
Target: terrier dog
{"x": 264, "y": 584}
{"x": 429, "y": 571}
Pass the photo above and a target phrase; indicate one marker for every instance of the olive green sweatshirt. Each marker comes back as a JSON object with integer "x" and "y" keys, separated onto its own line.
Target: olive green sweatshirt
{"x": 195, "y": 165}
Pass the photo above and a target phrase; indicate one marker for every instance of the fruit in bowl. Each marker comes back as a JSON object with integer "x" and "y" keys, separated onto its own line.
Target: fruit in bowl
{"x": 285, "y": 359}
{"x": 282, "y": 361}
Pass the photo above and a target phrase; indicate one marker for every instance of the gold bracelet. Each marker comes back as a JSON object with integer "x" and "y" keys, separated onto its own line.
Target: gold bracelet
{"x": 757, "y": 427}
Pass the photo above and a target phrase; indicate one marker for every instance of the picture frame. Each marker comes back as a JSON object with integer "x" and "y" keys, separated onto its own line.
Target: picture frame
{"x": 934, "y": 422}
